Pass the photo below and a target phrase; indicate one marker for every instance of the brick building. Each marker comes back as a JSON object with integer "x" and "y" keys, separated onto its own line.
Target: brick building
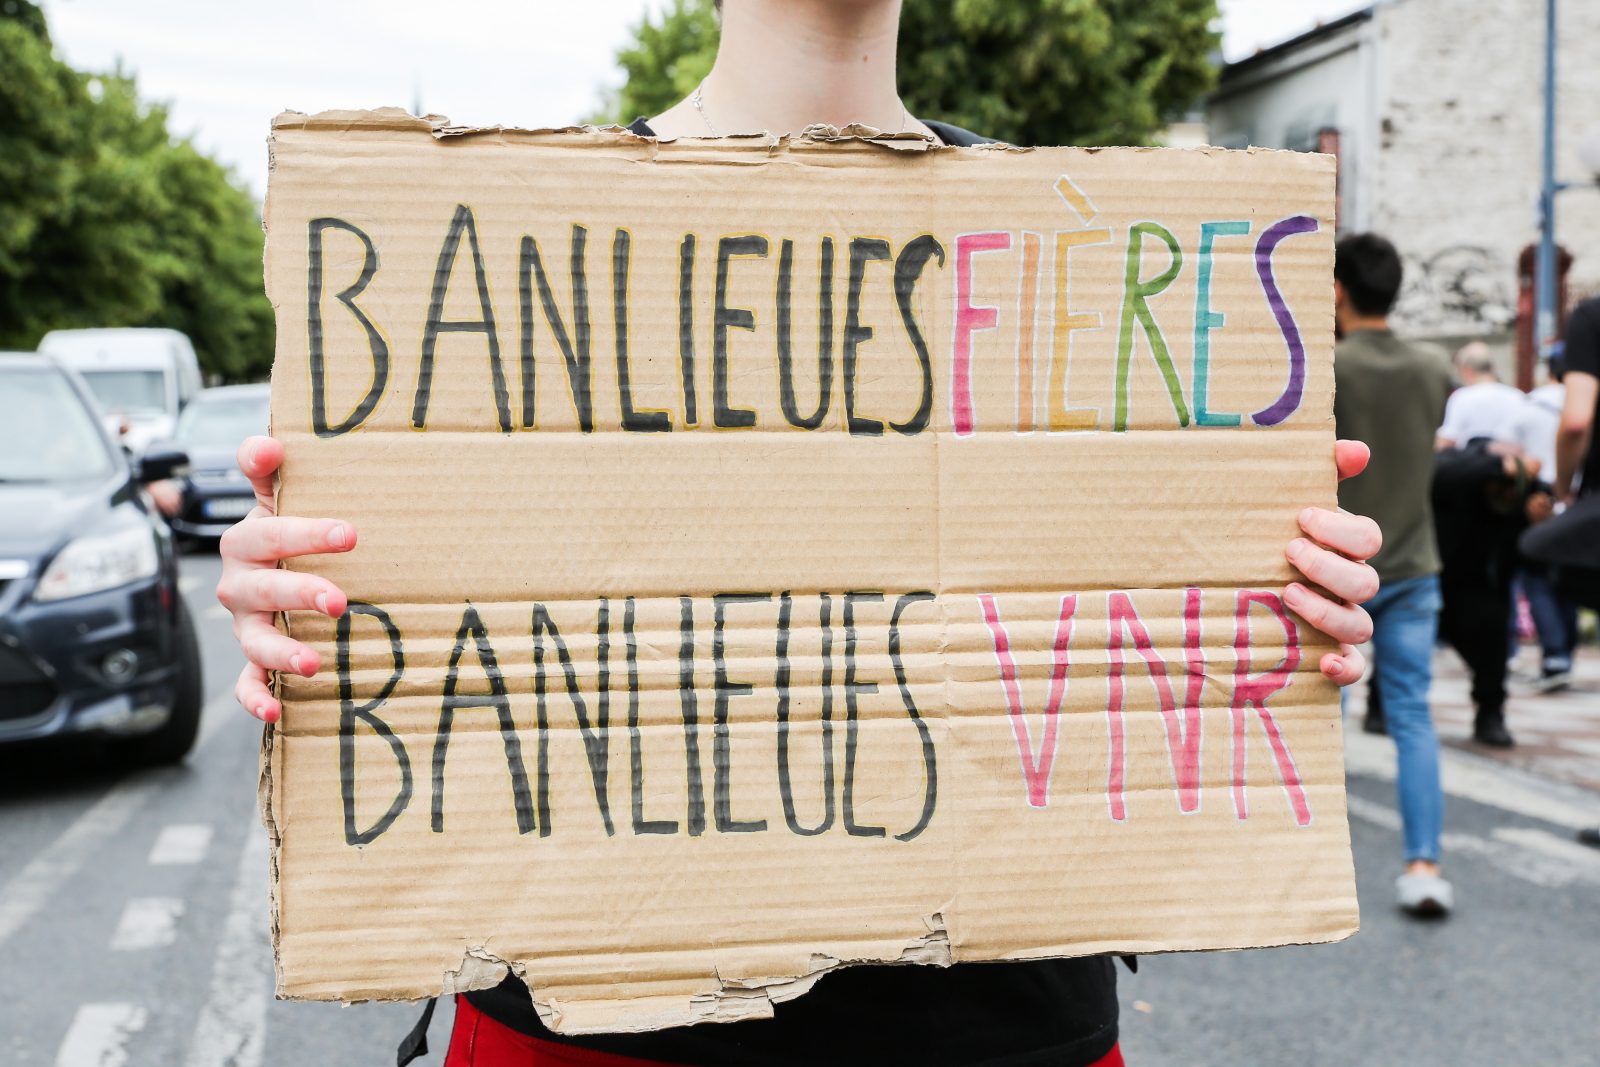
{"x": 1435, "y": 108}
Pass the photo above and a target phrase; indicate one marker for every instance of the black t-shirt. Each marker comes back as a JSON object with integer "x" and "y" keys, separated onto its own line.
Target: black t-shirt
{"x": 1061, "y": 1013}
{"x": 1583, "y": 354}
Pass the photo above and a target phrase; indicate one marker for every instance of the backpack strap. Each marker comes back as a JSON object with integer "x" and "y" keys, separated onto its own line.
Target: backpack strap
{"x": 955, "y": 135}
{"x": 415, "y": 1043}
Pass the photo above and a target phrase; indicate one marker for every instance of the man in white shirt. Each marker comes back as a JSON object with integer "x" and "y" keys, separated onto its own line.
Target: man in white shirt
{"x": 1483, "y": 406}
{"x": 1533, "y": 425}
{"x": 1533, "y": 429}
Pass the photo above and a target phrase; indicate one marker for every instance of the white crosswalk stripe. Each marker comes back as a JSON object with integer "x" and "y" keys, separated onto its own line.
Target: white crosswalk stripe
{"x": 1581, "y": 860}
{"x": 233, "y": 1023}
{"x": 33, "y": 886}
{"x": 99, "y": 1034}
{"x": 1480, "y": 780}
{"x": 180, "y": 844}
{"x": 147, "y": 922}
{"x": 1527, "y": 853}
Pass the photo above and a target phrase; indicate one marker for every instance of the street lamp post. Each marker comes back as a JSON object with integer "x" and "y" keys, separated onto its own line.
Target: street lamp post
{"x": 1545, "y": 319}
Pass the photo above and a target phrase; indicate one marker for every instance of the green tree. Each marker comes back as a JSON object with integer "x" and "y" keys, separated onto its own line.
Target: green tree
{"x": 666, "y": 60}
{"x": 106, "y": 219}
{"x": 1090, "y": 72}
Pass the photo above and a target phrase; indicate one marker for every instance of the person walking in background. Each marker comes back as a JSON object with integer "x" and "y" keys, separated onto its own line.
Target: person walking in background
{"x": 1484, "y": 496}
{"x": 1555, "y": 617}
{"x": 1391, "y": 394}
{"x": 1577, "y": 445}
{"x": 1483, "y": 406}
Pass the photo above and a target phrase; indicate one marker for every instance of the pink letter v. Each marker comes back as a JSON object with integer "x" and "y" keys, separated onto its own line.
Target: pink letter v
{"x": 1035, "y": 770}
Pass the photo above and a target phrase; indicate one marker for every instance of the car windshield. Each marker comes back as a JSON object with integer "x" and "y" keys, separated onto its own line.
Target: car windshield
{"x": 47, "y": 433}
{"x": 222, "y": 421}
{"x": 128, "y": 391}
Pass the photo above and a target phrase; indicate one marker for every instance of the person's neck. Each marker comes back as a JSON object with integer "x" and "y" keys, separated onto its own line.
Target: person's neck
{"x": 782, "y": 66}
{"x": 1353, "y": 323}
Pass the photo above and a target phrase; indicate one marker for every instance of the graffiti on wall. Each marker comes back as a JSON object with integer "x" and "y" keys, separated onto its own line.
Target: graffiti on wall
{"x": 1457, "y": 290}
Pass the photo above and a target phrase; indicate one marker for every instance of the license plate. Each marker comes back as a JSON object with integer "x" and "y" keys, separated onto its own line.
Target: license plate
{"x": 229, "y": 507}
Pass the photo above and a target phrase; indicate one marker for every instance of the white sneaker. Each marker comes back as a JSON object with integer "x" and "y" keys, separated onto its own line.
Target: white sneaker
{"x": 1424, "y": 894}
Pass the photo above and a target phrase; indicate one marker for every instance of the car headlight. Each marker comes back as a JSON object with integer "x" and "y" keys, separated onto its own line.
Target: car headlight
{"x": 98, "y": 562}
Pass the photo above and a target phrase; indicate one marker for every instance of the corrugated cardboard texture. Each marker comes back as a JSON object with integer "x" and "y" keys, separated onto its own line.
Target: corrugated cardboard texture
{"x": 777, "y": 555}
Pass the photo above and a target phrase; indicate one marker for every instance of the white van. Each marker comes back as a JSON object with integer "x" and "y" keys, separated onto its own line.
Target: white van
{"x": 142, "y": 378}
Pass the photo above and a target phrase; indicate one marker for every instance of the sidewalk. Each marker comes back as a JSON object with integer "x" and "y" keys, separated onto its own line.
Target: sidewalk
{"x": 1558, "y": 735}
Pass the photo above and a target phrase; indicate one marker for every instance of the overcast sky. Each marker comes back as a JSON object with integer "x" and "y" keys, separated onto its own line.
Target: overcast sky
{"x": 227, "y": 68}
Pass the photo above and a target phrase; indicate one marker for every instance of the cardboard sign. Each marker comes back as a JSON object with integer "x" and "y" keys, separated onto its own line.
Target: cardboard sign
{"x": 777, "y": 555}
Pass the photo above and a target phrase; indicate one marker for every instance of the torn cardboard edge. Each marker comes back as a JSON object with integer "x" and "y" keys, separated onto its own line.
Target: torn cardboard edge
{"x": 442, "y": 129}
{"x": 737, "y": 999}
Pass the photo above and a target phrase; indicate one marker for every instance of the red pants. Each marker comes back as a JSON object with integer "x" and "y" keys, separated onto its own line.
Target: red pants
{"x": 479, "y": 1041}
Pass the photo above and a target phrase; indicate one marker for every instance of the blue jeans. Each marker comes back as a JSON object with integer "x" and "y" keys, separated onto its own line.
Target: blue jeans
{"x": 1405, "y": 623}
{"x": 1554, "y": 617}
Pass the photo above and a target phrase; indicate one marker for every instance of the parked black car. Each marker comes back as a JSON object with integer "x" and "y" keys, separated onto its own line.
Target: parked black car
{"x": 216, "y": 494}
{"x": 95, "y": 640}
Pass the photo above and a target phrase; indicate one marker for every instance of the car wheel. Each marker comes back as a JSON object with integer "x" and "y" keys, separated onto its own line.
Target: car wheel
{"x": 173, "y": 740}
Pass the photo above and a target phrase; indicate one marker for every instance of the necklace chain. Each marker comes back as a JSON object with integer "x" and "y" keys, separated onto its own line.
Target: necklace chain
{"x": 699, "y": 105}
{"x": 696, "y": 98}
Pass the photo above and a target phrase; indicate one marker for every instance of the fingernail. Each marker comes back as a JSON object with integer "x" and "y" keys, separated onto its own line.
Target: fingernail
{"x": 264, "y": 712}
{"x": 1334, "y": 665}
{"x": 336, "y": 536}
{"x": 1306, "y": 515}
{"x": 294, "y": 664}
{"x": 322, "y": 602}
{"x": 1297, "y": 546}
{"x": 1294, "y": 591}
{"x": 250, "y": 457}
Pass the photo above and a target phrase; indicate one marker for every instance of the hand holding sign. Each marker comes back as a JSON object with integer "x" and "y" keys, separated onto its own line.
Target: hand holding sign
{"x": 254, "y": 589}
{"x": 1336, "y": 559}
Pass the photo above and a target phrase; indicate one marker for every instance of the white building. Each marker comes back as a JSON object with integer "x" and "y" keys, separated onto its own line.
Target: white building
{"x": 1435, "y": 108}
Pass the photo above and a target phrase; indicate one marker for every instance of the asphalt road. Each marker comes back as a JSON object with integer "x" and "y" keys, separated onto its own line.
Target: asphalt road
{"x": 133, "y": 926}
{"x": 1510, "y": 978}
{"x": 133, "y": 907}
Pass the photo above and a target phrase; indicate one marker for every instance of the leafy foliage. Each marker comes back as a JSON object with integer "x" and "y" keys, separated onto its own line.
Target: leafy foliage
{"x": 668, "y": 57}
{"x": 1090, "y": 72}
{"x": 106, "y": 219}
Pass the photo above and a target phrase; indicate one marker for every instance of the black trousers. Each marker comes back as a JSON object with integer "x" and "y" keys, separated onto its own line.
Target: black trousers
{"x": 1473, "y": 622}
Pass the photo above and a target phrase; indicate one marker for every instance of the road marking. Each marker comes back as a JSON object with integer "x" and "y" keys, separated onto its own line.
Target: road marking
{"x": 36, "y": 884}
{"x": 181, "y": 844}
{"x": 98, "y": 1036}
{"x": 1532, "y": 855}
{"x": 147, "y": 922}
{"x": 1379, "y": 815}
{"x": 1582, "y": 860}
{"x": 233, "y": 1022}
{"x": 220, "y": 709}
{"x": 1479, "y": 780}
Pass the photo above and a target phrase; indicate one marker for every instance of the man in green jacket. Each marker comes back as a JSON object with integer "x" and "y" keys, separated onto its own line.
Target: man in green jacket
{"x": 1391, "y": 395}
